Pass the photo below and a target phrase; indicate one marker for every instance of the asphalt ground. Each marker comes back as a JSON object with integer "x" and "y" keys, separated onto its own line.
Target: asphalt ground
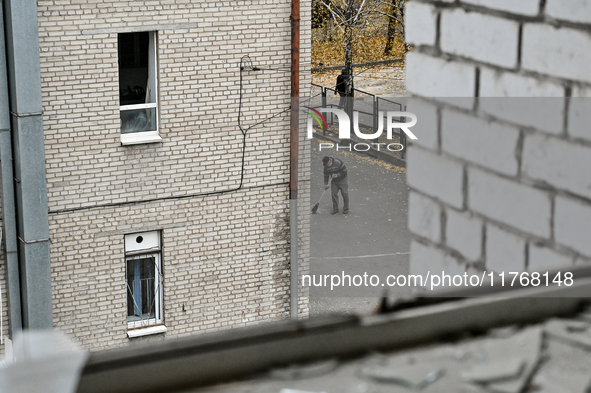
{"x": 372, "y": 239}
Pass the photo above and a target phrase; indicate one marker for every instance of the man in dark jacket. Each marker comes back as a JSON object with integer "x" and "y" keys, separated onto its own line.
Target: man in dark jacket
{"x": 341, "y": 87}
{"x": 336, "y": 170}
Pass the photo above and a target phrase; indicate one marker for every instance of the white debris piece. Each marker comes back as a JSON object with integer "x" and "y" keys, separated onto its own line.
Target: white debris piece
{"x": 42, "y": 361}
{"x": 504, "y": 365}
{"x": 304, "y": 371}
{"x": 411, "y": 377}
{"x": 576, "y": 333}
{"x": 296, "y": 391}
{"x": 565, "y": 369}
{"x": 563, "y": 383}
{"x": 496, "y": 370}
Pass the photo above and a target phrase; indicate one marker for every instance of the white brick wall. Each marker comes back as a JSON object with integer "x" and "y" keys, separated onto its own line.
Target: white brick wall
{"x": 426, "y": 130}
{"x": 505, "y": 252}
{"x": 545, "y": 114}
{"x": 578, "y": 11}
{"x": 479, "y": 37}
{"x": 494, "y": 83}
{"x": 573, "y": 224}
{"x": 558, "y": 163}
{"x": 433, "y": 260}
{"x": 422, "y": 27}
{"x": 477, "y": 140}
{"x": 427, "y": 221}
{"x": 581, "y": 91}
{"x": 522, "y": 7}
{"x": 432, "y": 77}
{"x": 463, "y": 233}
{"x": 561, "y": 52}
{"x": 514, "y": 161}
{"x": 437, "y": 176}
{"x": 543, "y": 259}
{"x": 579, "y": 118}
{"x": 517, "y": 205}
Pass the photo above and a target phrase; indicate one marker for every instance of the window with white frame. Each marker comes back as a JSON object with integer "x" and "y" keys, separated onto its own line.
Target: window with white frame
{"x": 138, "y": 87}
{"x": 143, "y": 267}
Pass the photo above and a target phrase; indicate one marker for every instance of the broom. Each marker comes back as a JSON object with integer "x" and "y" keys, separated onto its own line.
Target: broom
{"x": 315, "y": 208}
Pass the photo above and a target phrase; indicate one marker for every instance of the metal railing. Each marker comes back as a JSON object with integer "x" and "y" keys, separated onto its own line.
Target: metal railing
{"x": 368, "y": 117}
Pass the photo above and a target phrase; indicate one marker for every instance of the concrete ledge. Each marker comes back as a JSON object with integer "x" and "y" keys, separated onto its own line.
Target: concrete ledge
{"x": 146, "y": 331}
{"x": 136, "y": 138}
{"x": 224, "y": 356}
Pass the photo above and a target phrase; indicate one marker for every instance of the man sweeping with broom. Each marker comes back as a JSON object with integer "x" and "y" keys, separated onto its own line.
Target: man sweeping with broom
{"x": 336, "y": 170}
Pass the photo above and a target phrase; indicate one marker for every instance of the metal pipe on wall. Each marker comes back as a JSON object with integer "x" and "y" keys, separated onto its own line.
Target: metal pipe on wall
{"x": 294, "y": 150}
{"x": 8, "y": 203}
{"x": 28, "y": 150}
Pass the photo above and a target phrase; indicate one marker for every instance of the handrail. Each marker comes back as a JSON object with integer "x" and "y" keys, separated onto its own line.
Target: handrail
{"x": 364, "y": 92}
{"x": 392, "y": 102}
{"x": 375, "y": 110}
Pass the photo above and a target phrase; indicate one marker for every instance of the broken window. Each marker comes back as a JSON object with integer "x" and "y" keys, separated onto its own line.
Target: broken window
{"x": 138, "y": 98}
{"x": 144, "y": 279}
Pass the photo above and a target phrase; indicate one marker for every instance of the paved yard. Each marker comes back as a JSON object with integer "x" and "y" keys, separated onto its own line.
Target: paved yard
{"x": 372, "y": 238}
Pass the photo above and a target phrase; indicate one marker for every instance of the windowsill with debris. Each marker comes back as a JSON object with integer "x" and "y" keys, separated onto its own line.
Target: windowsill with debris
{"x": 551, "y": 357}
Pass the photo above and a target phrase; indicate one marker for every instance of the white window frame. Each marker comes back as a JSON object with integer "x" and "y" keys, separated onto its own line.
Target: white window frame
{"x": 151, "y": 247}
{"x": 134, "y": 138}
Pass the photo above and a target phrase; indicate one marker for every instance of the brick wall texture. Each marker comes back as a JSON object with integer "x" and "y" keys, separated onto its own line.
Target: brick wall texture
{"x": 497, "y": 185}
{"x": 225, "y": 257}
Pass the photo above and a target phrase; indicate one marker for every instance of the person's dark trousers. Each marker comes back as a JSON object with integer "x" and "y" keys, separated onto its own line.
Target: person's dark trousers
{"x": 344, "y": 188}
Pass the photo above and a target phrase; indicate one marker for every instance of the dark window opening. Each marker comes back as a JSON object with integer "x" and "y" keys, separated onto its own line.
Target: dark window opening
{"x": 134, "y": 65}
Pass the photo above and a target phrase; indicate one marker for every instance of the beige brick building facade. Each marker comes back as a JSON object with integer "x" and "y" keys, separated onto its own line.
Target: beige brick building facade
{"x": 224, "y": 249}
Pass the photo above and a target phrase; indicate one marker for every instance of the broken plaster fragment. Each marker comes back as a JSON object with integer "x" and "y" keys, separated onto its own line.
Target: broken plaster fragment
{"x": 563, "y": 382}
{"x": 495, "y": 370}
{"x": 570, "y": 332}
{"x": 304, "y": 371}
{"x": 363, "y": 387}
{"x": 528, "y": 345}
{"x": 412, "y": 377}
{"x": 503, "y": 332}
{"x": 296, "y": 391}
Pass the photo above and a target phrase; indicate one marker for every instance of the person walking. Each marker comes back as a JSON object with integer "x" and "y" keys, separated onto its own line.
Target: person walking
{"x": 336, "y": 170}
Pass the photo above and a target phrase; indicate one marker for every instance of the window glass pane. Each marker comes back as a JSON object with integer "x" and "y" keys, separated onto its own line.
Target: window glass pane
{"x": 142, "y": 288}
{"x": 134, "y": 52}
{"x": 138, "y": 120}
